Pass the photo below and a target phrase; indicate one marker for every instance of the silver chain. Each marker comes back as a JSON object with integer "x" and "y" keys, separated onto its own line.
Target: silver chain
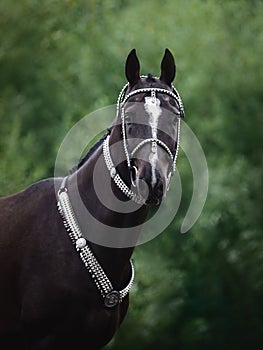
{"x": 116, "y": 177}
{"x": 111, "y": 297}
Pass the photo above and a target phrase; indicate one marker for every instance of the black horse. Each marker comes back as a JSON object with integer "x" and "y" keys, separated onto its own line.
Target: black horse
{"x": 55, "y": 294}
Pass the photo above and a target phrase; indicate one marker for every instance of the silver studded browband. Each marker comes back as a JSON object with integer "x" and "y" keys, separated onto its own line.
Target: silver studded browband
{"x": 122, "y": 99}
{"x": 111, "y": 296}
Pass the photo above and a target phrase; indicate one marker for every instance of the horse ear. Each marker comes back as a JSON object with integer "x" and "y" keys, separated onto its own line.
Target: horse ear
{"x": 132, "y": 68}
{"x": 168, "y": 68}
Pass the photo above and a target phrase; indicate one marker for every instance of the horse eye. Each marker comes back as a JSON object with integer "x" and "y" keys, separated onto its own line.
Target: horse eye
{"x": 128, "y": 118}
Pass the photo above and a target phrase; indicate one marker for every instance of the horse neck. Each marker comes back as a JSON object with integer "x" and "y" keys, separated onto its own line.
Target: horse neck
{"x": 91, "y": 178}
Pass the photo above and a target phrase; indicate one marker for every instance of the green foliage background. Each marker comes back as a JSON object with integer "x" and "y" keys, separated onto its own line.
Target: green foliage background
{"x": 60, "y": 59}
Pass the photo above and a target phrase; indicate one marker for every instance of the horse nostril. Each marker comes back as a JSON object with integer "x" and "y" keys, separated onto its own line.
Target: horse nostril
{"x": 143, "y": 189}
{"x": 150, "y": 184}
{"x": 154, "y": 191}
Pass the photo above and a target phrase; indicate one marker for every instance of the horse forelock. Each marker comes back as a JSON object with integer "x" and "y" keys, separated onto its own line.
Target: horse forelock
{"x": 150, "y": 78}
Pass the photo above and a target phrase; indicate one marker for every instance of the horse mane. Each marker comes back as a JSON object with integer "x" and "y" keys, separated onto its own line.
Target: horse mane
{"x": 90, "y": 152}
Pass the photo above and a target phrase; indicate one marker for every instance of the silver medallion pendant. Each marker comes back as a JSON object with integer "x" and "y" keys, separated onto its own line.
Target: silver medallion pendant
{"x": 112, "y": 299}
{"x": 81, "y": 242}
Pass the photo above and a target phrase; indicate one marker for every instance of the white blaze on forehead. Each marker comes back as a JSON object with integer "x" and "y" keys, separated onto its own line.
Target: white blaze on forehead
{"x": 152, "y": 107}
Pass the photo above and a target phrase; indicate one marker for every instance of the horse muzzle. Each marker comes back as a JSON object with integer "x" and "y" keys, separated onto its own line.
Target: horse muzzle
{"x": 149, "y": 183}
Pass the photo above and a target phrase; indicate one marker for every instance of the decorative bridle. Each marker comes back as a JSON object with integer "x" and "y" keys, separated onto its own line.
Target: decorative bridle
{"x": 122, "y": 99}
{"x": 111, "y": 296}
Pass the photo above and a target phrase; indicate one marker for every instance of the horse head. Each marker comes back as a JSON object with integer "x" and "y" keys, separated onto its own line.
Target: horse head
{"x": 148, "y": 115}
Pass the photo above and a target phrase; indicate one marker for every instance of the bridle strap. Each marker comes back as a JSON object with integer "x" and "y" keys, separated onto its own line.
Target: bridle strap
{"x": 154, "y": 142}
{"x": 156, "y": 90}
{"x": 116, "y": 177}
{"x": 159, "y": 142}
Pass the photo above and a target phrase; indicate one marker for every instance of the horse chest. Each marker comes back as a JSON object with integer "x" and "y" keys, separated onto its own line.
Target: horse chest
{"x": 61, "y": 301}
{"x": 68, "y": 315}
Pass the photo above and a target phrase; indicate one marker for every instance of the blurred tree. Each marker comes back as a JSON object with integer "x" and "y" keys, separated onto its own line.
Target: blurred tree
{"x": 60, "y": 60}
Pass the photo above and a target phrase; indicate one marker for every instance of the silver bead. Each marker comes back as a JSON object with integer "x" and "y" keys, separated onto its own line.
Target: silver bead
{"x": 81, "y": 242}
{"x": 112, "y": 172}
